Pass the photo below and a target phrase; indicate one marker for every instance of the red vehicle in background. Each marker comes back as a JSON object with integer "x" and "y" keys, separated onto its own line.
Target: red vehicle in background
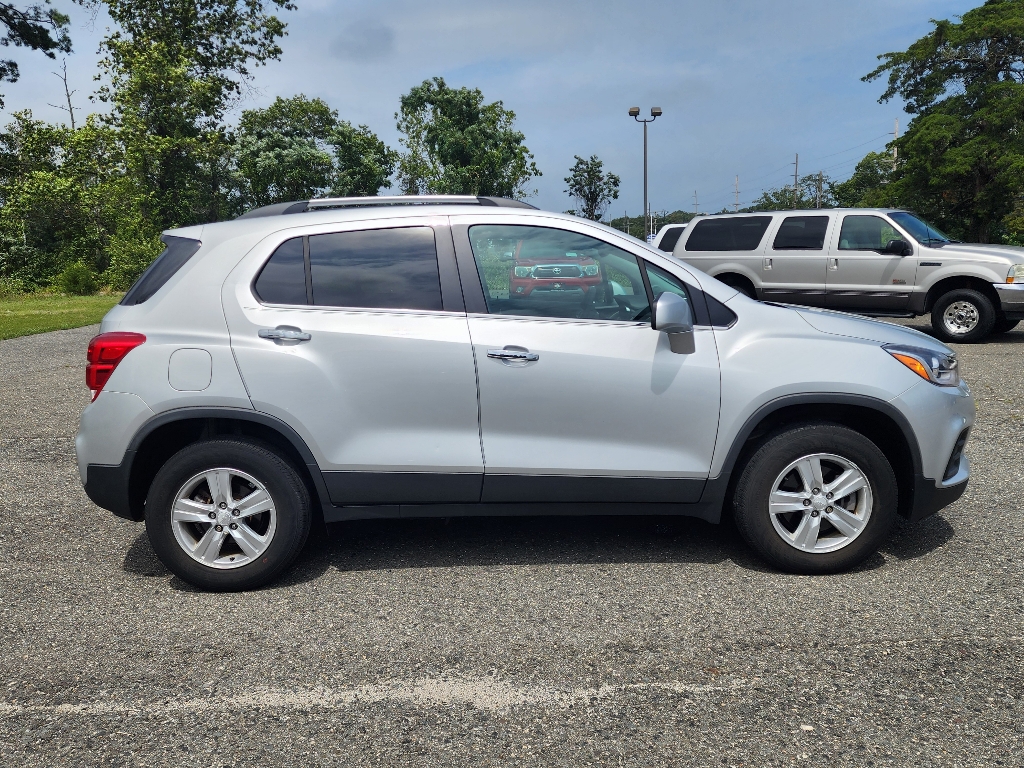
{"x": 535, "y": 272}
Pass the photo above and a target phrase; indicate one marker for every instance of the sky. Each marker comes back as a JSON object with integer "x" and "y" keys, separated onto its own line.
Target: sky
{"x": 744, "y": 85}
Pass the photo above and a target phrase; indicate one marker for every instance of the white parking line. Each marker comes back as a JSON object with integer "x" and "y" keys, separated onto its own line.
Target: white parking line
{"x": 482, "y": 693}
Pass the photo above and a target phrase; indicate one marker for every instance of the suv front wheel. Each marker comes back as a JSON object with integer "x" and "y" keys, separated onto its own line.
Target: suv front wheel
{"x": 819, "y": 498}
{"x": 227, "y": 514}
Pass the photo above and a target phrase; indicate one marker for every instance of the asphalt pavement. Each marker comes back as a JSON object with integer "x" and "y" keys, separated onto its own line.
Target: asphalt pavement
{"x": 505, "y": 642}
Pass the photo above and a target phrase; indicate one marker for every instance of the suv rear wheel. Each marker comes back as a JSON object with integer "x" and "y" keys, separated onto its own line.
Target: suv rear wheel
{"x": 963, "y": 315}
{"x": 227, "y": 514}
{"x": 819, "y": 498}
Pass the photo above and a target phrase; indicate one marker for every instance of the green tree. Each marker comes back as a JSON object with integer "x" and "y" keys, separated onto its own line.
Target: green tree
{"x": 869, "y": 185}
{"x": 281, "y": 152}
{"x": 806, "y": 196}
{"x": 36, "y": 27}
{"x": 457, "y": 144}
{"x": 297, "y": 148}
{"x": 591, "y": 188}
{"x": 174, "y": 66}
{"x": 962, "y": 156}
{"x": 64, "y": 199}
{"x": 363, "y": 163}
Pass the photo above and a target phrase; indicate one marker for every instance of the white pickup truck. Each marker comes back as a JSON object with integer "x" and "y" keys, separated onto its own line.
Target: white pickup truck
{"x": 868, "y": 261}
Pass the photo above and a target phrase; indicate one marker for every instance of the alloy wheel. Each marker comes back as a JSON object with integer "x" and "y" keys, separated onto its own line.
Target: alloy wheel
{"x": 223, "y": 518}
{"x": 820, "y": 503}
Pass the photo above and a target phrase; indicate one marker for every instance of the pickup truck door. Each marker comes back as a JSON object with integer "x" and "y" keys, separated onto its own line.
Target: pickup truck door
{"x": 793, "y": 267}
{"x": 860, "y": 275}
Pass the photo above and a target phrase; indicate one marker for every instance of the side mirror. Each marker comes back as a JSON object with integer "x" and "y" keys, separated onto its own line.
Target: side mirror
{"x": 897, "y": 248}
{"x": 672, "y": 316}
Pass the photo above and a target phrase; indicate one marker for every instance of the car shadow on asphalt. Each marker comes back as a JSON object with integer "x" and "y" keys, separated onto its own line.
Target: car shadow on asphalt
{"x": 371, "y": 545}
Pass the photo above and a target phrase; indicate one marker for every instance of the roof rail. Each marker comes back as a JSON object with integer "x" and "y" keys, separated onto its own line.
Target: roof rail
{"x": 325, "y": 203}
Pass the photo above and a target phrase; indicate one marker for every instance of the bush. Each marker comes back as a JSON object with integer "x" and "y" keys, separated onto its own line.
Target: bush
{"x": 77, "y": 280}
{"x": 130, "y": 253}
{"x": 11, "y": 287}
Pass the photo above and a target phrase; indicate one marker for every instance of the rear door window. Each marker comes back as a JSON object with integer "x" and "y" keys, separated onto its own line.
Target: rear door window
{"x": 376, "y": 268}
{"x": 732, "y": 233}
{"x": 801, "y": 233}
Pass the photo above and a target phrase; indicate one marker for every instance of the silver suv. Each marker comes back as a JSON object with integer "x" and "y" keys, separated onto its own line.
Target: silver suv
{"x": 878, "y": 262}
{"x": 368, "y": 358}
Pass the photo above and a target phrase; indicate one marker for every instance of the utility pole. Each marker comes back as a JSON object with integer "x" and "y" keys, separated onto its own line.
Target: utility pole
{"x": 626, "y": 214}
{"x": 796, "y": 181}
{"x": 736, "y": 204}
{"x": 634, "y": 112}
{"x": 695, "y": 202}
{"x": 895, "y": 135}
{"x": 818, "y": 205}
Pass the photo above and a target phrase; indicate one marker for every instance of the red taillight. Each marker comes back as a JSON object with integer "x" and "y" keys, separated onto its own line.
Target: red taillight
{"x": 105, "y": 352}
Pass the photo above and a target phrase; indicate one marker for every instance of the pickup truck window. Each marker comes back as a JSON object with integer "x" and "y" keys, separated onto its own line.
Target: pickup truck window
{"x": 801, "y": 233}
{"x": 866, "y": 233}
{"x": 733, "y": 233}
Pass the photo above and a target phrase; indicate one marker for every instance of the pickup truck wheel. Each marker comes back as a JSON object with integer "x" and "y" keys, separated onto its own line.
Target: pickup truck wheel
{"x": 818, "y": 498}
{"x": 227, "y": 514}
{"x": 963, "y": 315}
{"x": 1003, "y": 325}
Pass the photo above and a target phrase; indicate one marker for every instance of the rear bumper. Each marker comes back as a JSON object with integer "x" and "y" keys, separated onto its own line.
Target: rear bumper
{"x": 1011, "y": 299}
{"x": 107, "y": 486}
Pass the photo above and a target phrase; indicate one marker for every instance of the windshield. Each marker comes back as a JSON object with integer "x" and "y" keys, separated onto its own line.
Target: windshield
{"x": 921, "y": 231}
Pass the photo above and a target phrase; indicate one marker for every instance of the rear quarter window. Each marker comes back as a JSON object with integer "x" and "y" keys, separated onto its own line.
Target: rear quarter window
{"x": 739, "y": 233}
{"x": 177, "y": 251}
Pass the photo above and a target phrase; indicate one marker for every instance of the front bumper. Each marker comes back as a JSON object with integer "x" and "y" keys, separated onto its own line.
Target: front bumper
{"x": 1011, "y": 299}
{"x": 929, "y": 498}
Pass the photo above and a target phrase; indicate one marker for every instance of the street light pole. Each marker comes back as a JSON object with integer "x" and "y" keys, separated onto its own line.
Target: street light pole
{"x": 634, "y": 112}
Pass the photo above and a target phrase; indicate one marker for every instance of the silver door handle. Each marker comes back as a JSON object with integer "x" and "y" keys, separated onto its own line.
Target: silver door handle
{"x": 833, "y": 263}
{"x": 284, "y": 333}
{"x": 511, "y": 354}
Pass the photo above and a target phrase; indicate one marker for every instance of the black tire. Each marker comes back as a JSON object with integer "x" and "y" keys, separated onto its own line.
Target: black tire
{"x": 288, "y": 492}
{"x": 973, "y": 301}
{"x": 758, "y": 476}
{"x": 1003, "y": 325}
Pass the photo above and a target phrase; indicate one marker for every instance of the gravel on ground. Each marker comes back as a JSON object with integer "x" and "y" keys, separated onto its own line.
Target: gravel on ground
{"x": 496, "y": 642}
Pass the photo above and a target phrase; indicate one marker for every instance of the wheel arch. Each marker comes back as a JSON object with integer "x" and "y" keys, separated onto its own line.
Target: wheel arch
{"x": 952, "y": 283}
{"x": 732, "y": 277}
{"x": 167, "y": 433}
{"x": 879, "y": 421}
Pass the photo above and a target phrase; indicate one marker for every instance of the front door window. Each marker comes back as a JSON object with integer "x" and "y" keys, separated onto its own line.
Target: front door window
{"x": 544, "y": 272}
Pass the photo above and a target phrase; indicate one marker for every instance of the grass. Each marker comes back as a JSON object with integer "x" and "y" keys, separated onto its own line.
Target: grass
{"x": 41, "y": 312}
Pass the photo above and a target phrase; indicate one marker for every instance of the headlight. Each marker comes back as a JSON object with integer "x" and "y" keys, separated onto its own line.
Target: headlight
{"x": 523, "y": 271}
{"x": 940, "y": 368}
{"x": 1016, "y": 274}
{"x": 592, "y": 269}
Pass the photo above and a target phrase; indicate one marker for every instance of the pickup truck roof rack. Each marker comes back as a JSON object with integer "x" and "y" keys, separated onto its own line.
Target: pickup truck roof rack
{"x": 325, "y": 203}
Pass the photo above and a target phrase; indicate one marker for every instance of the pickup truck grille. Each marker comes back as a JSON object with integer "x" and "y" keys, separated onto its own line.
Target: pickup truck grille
{"x": 557, "y": 271}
